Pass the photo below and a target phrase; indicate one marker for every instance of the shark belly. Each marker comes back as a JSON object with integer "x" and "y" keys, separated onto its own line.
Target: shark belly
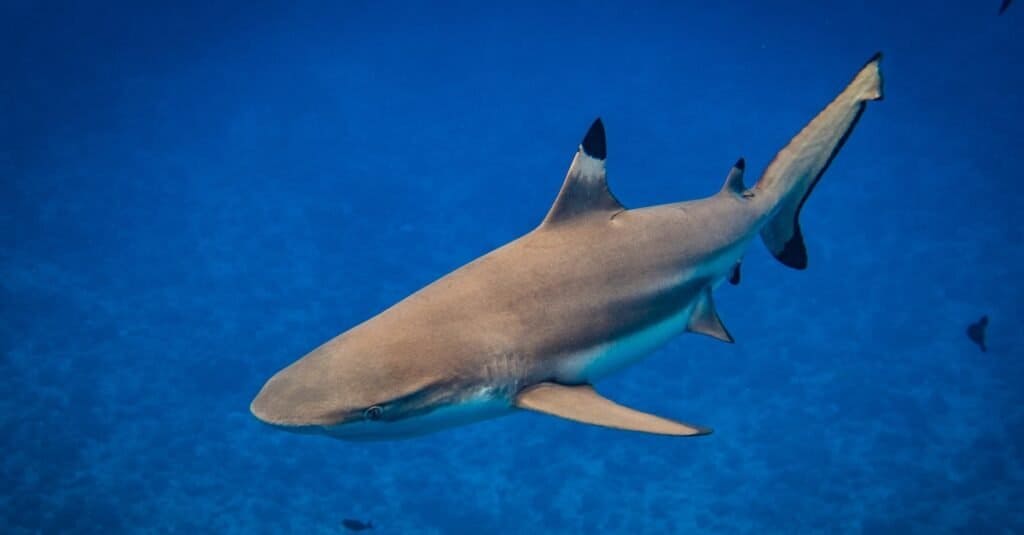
{"x": 483, "y": 404}
{"x": 595, "y": 363}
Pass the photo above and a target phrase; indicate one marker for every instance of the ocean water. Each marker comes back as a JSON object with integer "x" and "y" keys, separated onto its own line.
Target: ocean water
{"x": 193, "y": 195}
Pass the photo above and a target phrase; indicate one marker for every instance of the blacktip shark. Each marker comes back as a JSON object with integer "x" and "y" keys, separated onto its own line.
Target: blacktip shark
{"x": 535, "y": 323}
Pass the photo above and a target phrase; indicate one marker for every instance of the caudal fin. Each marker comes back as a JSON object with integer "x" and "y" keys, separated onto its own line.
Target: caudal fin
{"x": 796, "y": 169}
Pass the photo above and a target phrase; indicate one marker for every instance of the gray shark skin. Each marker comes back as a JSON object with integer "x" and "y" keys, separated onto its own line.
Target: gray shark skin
{"x": 535, "y": 323}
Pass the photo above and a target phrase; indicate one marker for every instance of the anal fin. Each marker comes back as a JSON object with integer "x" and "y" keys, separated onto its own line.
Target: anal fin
{"x": 704, "y": 319}
{"x": 734, "y": 275}
{"x": 581, "y": 403}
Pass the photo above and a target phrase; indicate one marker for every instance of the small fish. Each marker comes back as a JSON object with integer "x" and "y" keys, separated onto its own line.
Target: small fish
{"x": 356, "y": 525}
{"x": 1006, "y": 4}
{"x": 976, "y": 332}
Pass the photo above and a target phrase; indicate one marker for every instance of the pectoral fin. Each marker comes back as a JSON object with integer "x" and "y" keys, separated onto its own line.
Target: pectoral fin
{"x": 582, "y": 403}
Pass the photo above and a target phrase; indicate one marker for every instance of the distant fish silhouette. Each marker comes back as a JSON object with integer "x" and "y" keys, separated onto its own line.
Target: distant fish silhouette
{"x": 1006, "y": 4}
{"x": 976, "y": 332}
{"x": 356, "y": 525}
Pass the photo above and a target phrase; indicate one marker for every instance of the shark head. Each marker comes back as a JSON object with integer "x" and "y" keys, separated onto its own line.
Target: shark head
{"x": 353, "y": 390}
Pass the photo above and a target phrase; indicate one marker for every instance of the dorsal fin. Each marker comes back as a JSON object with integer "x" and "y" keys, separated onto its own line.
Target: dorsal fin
{"x": 704, "y": 319}
{"x": 734, "y": 182}
{"x": 585, "y": 189}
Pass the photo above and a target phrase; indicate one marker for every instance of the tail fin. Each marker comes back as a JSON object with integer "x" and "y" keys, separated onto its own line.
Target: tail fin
{"x": 796, "y": 169}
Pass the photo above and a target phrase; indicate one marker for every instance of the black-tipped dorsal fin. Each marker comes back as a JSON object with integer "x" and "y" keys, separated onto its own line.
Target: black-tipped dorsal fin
{"x": 585, "y": 190}
{"x": 581, "y": 403}
{"x": 734, "y": 182}
{"x": 705, "y": 320}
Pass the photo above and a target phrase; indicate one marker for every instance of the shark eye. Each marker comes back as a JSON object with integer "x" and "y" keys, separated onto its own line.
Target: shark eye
{"x": 373, "y": 413}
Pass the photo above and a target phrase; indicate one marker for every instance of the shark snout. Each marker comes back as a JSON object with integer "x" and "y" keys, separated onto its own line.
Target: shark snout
{"x": 268, "y": 408}
{"x": 289, "y": 400}
{"x": 262, "y": 407}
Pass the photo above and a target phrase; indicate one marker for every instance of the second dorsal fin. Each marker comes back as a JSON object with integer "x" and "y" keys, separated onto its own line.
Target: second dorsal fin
{"x": 585, "y": 190}
{"x": 734, "y": 182}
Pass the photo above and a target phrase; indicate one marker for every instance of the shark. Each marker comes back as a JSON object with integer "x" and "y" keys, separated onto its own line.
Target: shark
{"x": 534, "y": 324}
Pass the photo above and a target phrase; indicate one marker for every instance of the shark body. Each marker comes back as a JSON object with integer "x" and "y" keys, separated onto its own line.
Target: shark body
{"x": 535, "y": 323}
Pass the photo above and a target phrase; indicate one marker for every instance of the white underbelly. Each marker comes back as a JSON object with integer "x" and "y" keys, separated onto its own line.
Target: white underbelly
{"x": 482, "y": 405}
{"x": 596, "y": 363}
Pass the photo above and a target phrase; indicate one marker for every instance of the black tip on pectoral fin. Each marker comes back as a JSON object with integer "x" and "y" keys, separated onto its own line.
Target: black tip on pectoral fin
{"x": 594, "y": 142}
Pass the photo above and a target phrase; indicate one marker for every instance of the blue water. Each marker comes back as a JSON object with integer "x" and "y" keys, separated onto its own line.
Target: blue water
{"x": 195, "y": 195}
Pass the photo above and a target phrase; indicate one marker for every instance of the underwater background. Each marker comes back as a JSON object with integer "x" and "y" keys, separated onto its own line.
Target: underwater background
{"x": 195, "y": 194}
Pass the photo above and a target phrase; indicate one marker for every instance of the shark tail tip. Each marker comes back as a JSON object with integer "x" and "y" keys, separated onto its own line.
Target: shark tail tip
{"x": 870, "y": 79}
